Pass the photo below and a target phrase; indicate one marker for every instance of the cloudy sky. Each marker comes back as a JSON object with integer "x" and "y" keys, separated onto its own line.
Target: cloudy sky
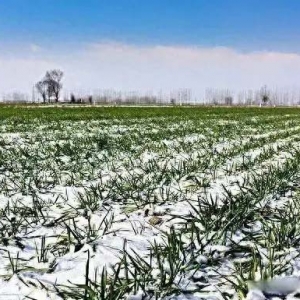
{"x": 150, "y": 45}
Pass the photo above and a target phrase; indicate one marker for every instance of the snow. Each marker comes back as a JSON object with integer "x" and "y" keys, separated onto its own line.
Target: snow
{"x": 169, "y": 150}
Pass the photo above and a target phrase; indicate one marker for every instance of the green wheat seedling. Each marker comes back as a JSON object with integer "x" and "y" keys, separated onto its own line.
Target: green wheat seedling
{"x": 42, "y": 251}
{"x": 103, "y": 286}
{"x": 16, "y": 265}
{"x": 130, "y": 158}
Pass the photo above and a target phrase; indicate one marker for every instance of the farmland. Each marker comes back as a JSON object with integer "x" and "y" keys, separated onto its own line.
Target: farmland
{"x": 147, "y": 203}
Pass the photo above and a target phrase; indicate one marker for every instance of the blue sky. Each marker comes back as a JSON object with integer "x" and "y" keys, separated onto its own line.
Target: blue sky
{"x": 151, "y": 45}
{"x": 242, "y": 24}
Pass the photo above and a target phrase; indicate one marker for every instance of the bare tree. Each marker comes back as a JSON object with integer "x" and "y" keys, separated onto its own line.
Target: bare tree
{"x": 53, "y": 80}
{"x": 51, "y": 85}
{"x": 41, "y": 87}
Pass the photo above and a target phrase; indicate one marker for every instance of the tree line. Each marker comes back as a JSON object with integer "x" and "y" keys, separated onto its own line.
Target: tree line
{"x": 50, "y": 88}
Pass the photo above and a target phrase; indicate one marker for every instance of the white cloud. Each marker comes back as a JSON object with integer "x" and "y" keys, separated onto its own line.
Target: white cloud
{"x": 144, "y": 68}
{"x": 35, "y": 48}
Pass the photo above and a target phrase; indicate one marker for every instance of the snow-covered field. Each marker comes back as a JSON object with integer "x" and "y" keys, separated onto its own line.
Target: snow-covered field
{"x": 188, "y": 206}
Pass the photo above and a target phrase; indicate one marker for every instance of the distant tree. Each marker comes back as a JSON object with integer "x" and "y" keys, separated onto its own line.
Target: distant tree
{"x": 41, "y": 87}
{"x": 73, "y": 99}
{"x": 265, "y": 95}
{"x": 53, "y": 80}
{"x": 19, "y": 97}
{"x": 90, "y": 99}
{"x": 228, "y": 100}
{"x": 215, "y": 101}
{"x": 51, "y": 85}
